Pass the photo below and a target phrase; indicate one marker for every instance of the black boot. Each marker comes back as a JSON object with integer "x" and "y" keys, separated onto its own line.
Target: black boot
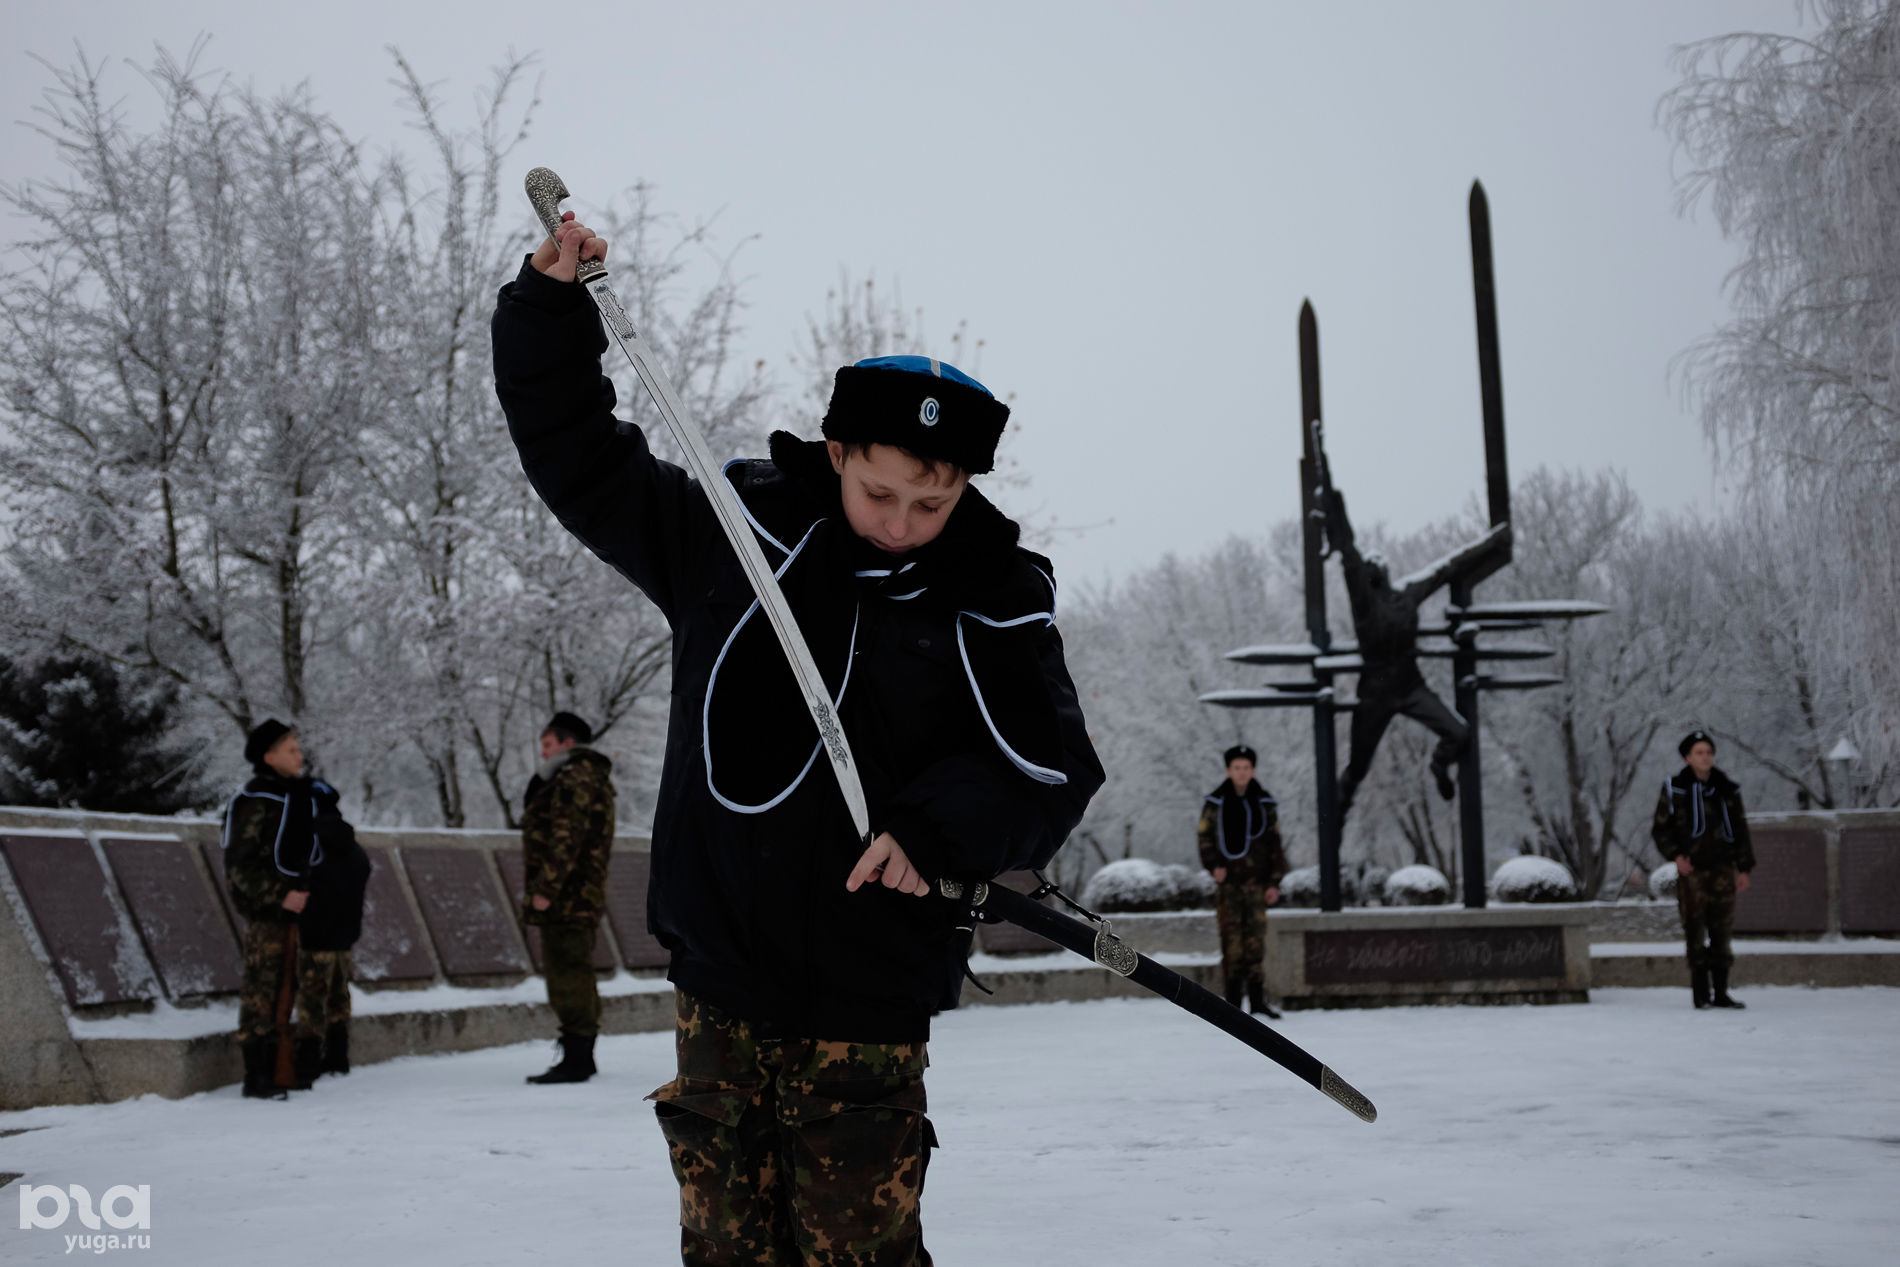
{"x": 1721, "y": 998}
{"x": 1234, "y": 991}
{"x": 336, "y": 1048}
{"x": 1257, "y": 1001}
{"x": 308, "y": 1063}
{"x": 575, "y": 1065}
{"x": 260, "y": 1058}
{"x": 1441, "y": 775}
{"x": 1699, "y": 987}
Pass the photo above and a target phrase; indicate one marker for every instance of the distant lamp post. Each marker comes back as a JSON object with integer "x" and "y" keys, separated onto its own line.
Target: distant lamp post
{"x": 1844, "y": 760}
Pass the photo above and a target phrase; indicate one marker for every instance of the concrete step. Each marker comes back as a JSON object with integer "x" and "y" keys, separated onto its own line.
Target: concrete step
{"x": 193, "y": 1050}
{"x": 1868, "y": 961}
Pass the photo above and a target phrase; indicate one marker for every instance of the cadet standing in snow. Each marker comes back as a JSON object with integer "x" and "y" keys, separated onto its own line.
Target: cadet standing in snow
{"x": 1240, "y": 844}
{"x": 808, "y": 965}
{"x": 271, "y": 846}
{"x": 567, "y": 840}
{"x": 1701, "y": 826}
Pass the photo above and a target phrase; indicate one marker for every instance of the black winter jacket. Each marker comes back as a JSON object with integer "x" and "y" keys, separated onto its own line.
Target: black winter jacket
{"x": 1704, "y": 821}
{"x": 945, "y": 665}
{"x": 333, "y": 917}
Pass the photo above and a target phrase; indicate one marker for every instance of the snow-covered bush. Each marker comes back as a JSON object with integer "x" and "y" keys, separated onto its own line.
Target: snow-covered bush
{"x": 1132, "y": 884}
{"x": 1300, "y": 887}
{"x": 1371, "y": 888}
{"x": 1136, "y": 884}
{"x": 1532, "y": 879}
{"x": 1193, "y": 888}
{"x": 1417, "y": 886}
{"x": 1662, "y": 882}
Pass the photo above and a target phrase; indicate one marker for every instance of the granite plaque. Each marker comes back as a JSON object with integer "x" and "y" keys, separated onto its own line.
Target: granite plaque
{"x": 177, "y": 915}
{"x": 468, "y": 921}
{"x": 514, "y": 879}
{"x": 1787, "y": 890}
{"x": 1009, "y": 939}
{"x": 97, "y": 958}
{"x": 1402, "y": 955}
{"x": 627, "y": 880}
{"x": 392, "y": 946}
{"x": 1870, "y": 879}
{"x": 214, "y": 858}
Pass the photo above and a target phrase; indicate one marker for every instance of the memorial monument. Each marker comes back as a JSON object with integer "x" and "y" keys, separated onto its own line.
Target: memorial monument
{"x": 1383, "y": 655}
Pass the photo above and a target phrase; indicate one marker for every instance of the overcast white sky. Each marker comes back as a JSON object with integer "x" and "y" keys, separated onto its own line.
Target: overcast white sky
{"x": 1127, "y": 201}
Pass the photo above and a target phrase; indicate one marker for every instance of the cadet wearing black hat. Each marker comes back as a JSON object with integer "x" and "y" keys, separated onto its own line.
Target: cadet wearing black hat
{"x": 1700, "y": 825}
{"x": 269, "y": 843}
{"x": 567, "y": 841}
{"x": 1239, "y": 839}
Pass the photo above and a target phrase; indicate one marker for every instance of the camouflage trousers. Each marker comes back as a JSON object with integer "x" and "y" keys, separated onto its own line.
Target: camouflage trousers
{"x": 1240, "y": 909}
{"x": 567, "y": 962}
{"x": 1706, "y": 901}
{"x": 795, "y": 1152}
{"x": 322, "y": 987}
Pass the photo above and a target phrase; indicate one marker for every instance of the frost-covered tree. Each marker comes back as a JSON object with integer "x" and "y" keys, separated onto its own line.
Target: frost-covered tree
{"x": 184, "y": 380}
{"x": 1794, "y": 143}
{"x": 252, "y": 444}
{"x": 1581, "y": 754}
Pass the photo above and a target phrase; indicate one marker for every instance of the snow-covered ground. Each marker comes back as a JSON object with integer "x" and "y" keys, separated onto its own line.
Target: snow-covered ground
{"x": 1631, "y": 1130}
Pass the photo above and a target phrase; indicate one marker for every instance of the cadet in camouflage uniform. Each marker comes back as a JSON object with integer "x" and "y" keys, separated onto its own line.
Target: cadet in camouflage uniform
{"x": 1240, "y": 844}
{"x": 1701, "y": 826}
{"x": 567, "y": 840}
{"x": 269, "y": 838}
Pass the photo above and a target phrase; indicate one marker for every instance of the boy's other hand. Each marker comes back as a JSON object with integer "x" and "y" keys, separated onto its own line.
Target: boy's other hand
{"x": 885, "y": 860}
{"x": 1683, "y": 866}
{"x": 1220, "y": 875}
{"x": 295, "y": 899}
{"x": 561, "y": 254}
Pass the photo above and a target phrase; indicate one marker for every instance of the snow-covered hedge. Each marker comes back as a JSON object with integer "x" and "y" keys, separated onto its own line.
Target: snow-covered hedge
{"x": 1662, "y": 882}
{"x": 1137, "y": 884}
{"x": 1300, "y": 887}
{"x": 1372, "y": 881}
{"x": 1531, "y": 879}
{"x": 1193, "y": 888}
{"x": 1417, "y": 886}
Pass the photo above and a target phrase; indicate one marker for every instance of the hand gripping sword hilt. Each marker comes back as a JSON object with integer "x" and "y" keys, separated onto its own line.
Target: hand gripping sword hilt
{"x": 545, "y": 191}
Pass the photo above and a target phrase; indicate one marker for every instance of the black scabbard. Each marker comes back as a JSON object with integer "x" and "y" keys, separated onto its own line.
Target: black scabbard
{"x": 1096, "y": 942}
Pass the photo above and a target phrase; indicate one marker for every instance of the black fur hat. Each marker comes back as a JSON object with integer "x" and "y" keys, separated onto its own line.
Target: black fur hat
{"x": 926, "y": 406}
{"x": 568, "y": 726}
{"x": 1695, "y": 737}
{"x": 263, "y": 738}
{"x": 1239, "y": 752}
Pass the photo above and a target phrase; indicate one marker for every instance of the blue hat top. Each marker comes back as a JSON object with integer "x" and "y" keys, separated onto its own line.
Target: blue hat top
{"x": 923, "y": 365}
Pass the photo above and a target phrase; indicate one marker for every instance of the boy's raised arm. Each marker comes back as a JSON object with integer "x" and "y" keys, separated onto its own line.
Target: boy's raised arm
{"x": 643, "y": 516}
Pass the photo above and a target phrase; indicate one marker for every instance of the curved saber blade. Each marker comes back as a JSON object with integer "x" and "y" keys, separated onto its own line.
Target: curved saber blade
{"x": 545, "y": 191}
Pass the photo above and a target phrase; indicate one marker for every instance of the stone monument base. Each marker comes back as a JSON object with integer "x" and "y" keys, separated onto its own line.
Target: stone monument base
{"x": 1431, "y": 955}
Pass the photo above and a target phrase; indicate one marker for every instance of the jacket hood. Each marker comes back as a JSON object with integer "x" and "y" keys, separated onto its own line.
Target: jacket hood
{"x": 1256, "y": 790}
{"x": 1718, "y": 781}
{"x": 578, "y": 755}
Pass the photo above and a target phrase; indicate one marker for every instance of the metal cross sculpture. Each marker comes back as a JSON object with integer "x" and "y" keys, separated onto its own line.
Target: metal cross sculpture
{"x": 1384, "y": 652}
